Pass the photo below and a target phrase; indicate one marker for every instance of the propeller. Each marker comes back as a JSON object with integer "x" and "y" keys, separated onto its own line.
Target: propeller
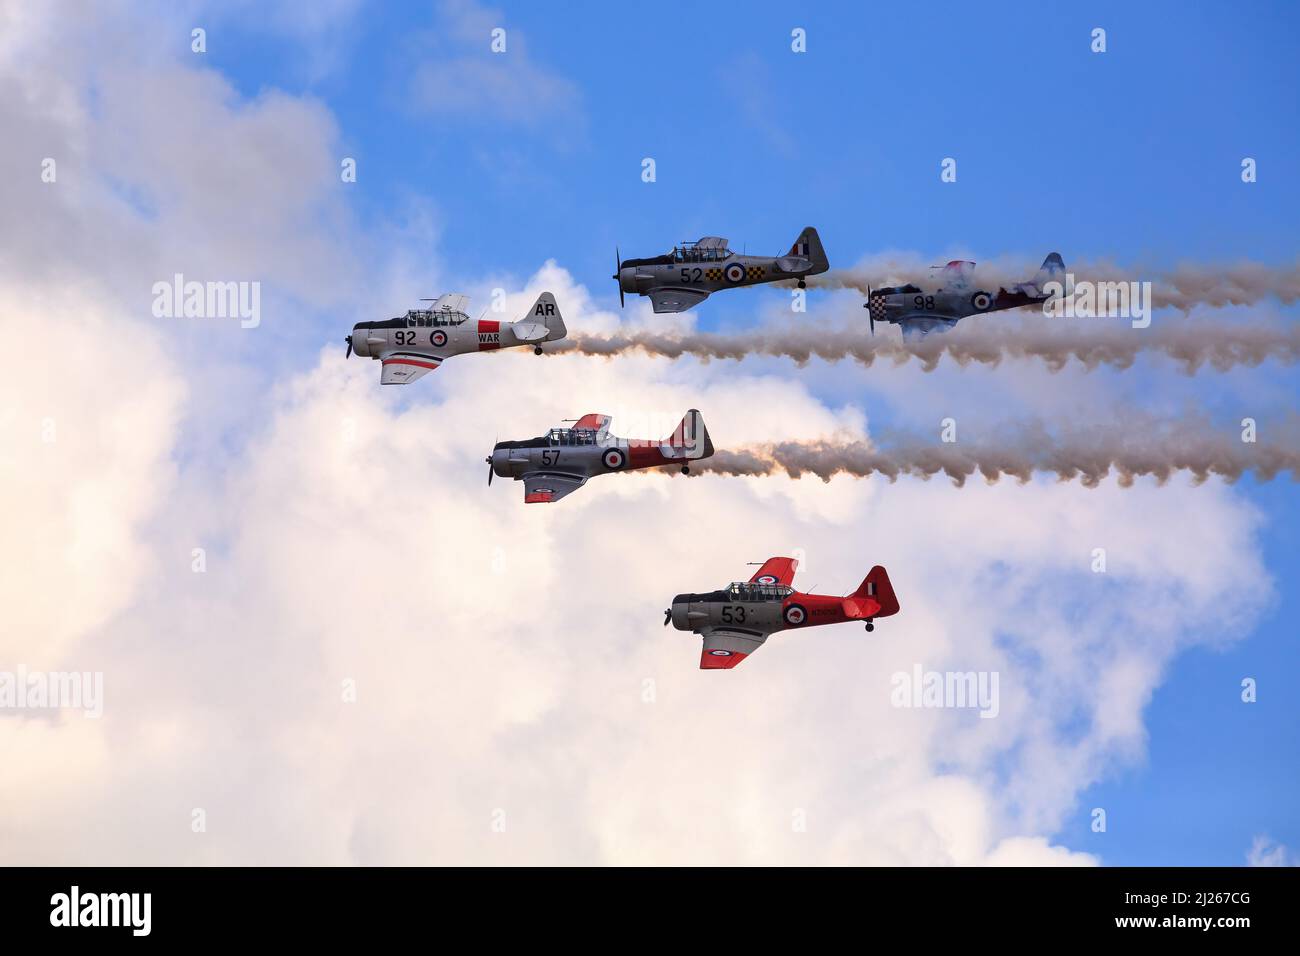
{"x": 618, "y": 270}
{"x": 349, "y": 341}
{"x": 871, "y": 316}
{"x": 668, "y": 615}
{"x": 488, "y": 459}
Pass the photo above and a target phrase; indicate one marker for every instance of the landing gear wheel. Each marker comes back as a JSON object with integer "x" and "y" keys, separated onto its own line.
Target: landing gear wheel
{"x": 686, "y": 469}
{"x": 803, "y": 284}
{"x": 870, "y": 626}
{"x": 537, "y": 350}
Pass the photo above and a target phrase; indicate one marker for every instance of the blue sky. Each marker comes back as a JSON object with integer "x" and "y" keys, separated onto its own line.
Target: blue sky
{"x": 1132, "y": 155}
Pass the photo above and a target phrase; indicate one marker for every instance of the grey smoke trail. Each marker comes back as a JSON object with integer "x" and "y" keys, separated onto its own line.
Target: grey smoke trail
{"x": 1183, "y": 287}
{"x": 1086, "y": 455}
{"x": 1092, "y": 342}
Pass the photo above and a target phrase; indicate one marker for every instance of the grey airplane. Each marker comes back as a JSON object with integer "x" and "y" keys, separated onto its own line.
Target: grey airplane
{"x": 692, "y": 271}
{"x": 735, "y": 621}
{"x": 416, "y": 343}
{"x": 920, "y": 311}
{"x": 563, "y": 459}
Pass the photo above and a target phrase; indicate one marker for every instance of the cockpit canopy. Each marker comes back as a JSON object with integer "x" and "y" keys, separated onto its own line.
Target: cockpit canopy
{"x": 571, "y": 436}
{"x": 424, "y": 318}
{"x": 708, "y": 249}
{"x": 745, "y": 591}
{"x": 447, "y": 309}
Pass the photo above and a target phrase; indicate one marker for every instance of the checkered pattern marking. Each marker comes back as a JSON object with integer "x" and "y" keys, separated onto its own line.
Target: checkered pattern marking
{"x": 753, "y": 273}
{"x": 876, "y": 305}
{"x": 713, "y": 275}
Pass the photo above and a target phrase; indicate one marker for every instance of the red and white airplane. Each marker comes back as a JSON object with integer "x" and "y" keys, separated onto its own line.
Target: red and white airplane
{"x": 416, "y": 343}
{"x": 738, "y": 619}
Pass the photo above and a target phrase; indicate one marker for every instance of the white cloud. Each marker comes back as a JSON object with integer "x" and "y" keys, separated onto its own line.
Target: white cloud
{"x": 1265, "y": 851}
{"x": 456, "y": 73}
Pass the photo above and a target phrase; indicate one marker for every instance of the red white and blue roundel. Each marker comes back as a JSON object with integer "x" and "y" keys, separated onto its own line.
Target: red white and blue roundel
{"x": 734, "y": 272}
{"x": 613, "y": 459}
{"x": 981, "y": 301}
{"x": 438, "y": 338}
{"x": 795, "y": 614}
{"x": 718, "y": 652}
{"x": 765, "y": 579}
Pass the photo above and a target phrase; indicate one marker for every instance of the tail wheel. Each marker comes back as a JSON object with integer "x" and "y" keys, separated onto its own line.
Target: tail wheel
{"x": 980, "y": 301}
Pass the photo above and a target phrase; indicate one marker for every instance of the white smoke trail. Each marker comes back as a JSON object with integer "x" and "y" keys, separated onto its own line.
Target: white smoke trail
{"x": 1183, "y": 287}
{"x": 985, "y": 341}
{"x": 1088, "y": 455}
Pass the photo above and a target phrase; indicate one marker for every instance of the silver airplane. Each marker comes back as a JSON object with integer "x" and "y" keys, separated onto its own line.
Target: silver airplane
{"x": 417, "y": 343}
{"x": 563, "y": 459}
{"x": 922, "y": 311}
{"x": 735, "y": 621}
{"x": 688, "y": 274}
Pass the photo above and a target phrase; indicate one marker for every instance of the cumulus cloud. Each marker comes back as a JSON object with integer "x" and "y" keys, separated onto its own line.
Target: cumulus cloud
{"x": 381, "y": 659}
{"x": 1265, "y": 851}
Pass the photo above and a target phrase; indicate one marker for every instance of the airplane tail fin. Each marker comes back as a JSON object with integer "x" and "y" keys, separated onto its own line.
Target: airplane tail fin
{"x": 1052, "y": 270}
{"x": 876, "y": 586}
{"x": 546, "y": 312}
{"x": 690, "y": 439}
{"x": 809, "y": 246}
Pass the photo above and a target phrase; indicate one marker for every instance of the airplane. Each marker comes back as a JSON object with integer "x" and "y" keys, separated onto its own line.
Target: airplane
{"x": 417, "y": 343}
{"x": 737, "y": 620}
{"x": 685, "y": 276}
{"x": 922, "y": 311}
{"x": 562, "y": 460}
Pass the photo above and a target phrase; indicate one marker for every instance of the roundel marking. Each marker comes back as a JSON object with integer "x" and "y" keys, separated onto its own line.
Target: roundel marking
{"x": 734, "y": 272}
{"x": 981, "y": 301}
{"x": 795, "y": 614}
{"x": 765, "y": 579}
{"x": 720, "y": 653}
{"x": 613, "y": 459}
{"x": 438, "y": 338}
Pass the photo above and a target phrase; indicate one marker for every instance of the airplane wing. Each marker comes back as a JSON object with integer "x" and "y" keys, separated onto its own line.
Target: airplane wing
{"x": 724, "y": 649}
{"x": 776, "y": 571}
{"x": 450, "y": 302}
{"x": 676, "y": 300}
{"x": 401, "y": 368}
{"x": 542, "y": 487}
{"x": 916, "y": 325}
{"x": 593, "y": 420}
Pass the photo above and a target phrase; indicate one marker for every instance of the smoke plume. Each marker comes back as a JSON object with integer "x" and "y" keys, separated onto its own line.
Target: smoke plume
{"x": 1183, "y": 287}
{"x": 1087, "y": 455}
{"x": 986, "y": 341}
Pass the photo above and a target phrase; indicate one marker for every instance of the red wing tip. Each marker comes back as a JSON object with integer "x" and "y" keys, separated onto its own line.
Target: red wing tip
{"x": 720, "y": 660}
{"x": 534, "y": 497}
